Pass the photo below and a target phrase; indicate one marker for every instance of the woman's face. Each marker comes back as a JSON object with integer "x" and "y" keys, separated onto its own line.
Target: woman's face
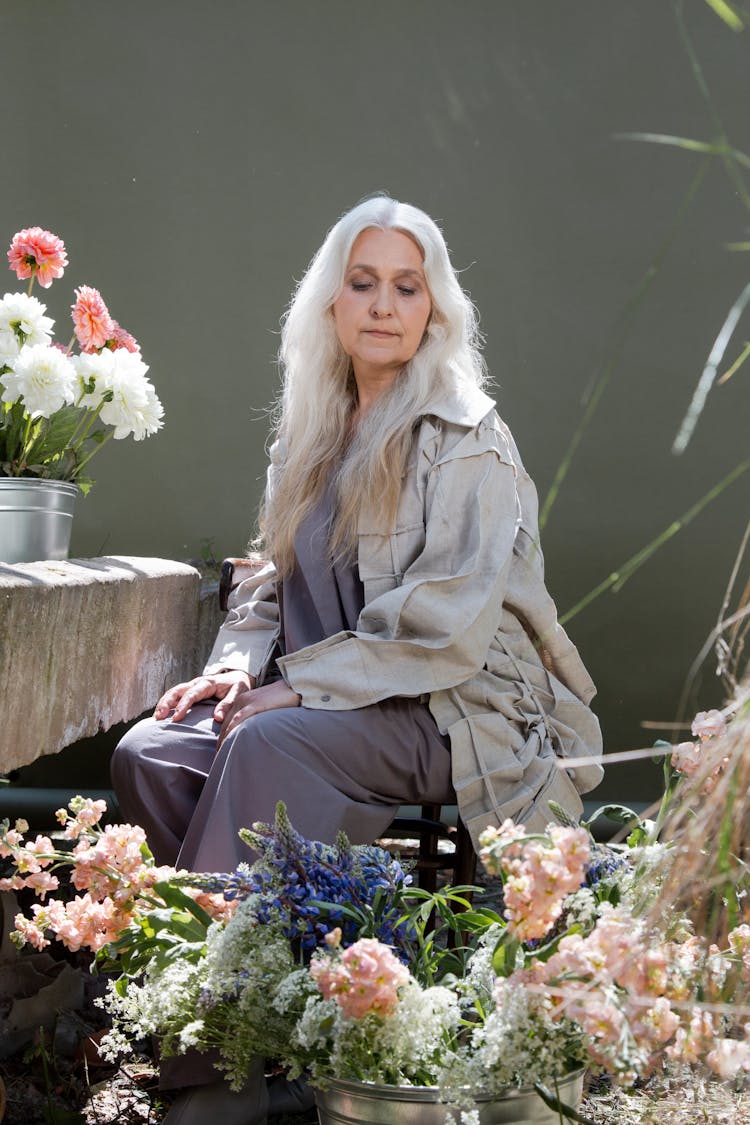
{"x": 382, "y": 312}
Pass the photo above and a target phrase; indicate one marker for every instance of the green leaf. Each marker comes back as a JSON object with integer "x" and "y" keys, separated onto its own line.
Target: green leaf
{"x": 55, "y": 436}
{"x": 506, "y": 955}
{"x": 620, "y": 814}
{"x": 178, "y": 900}
{"x": 638, "y": 836}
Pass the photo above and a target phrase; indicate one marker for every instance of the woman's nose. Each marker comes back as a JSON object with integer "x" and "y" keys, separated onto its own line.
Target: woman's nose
{"x": 382, "y": 304}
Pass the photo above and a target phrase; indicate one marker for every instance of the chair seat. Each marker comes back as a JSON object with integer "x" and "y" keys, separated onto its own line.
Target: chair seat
{"x": 430, "y": 828}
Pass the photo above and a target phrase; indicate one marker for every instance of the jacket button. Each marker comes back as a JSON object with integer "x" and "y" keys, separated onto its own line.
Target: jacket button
{"x": 325, "y": 699}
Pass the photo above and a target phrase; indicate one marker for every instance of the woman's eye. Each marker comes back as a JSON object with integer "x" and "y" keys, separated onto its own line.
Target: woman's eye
{"x": 360, "y": 286}
{"x": 406, "y": 290}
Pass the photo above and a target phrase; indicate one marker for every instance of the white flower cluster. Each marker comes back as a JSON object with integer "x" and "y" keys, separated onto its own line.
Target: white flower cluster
{"x": 408, "y": 1047}
{"x": 516, "y": 1046}
{"x": 44, "y": 378}
{"x": 116, "y": 381}
{"x": 22, "y": 322}
{"x": 160, "y": 1002}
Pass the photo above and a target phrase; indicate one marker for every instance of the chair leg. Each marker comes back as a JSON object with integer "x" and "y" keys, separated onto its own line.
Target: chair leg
{"x": 466, "y": 857}
{"x": 428, "y": 844}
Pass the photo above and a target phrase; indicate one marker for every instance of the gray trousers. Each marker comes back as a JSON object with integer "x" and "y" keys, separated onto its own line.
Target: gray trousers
{"x": 334, "y": 770}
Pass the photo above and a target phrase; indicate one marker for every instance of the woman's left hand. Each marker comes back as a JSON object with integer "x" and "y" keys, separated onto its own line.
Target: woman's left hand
{"x": 251, "y": 701}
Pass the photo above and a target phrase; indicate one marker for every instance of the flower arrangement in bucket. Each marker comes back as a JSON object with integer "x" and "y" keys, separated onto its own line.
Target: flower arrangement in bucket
{"x": 59, "y": 404}
{"x": 322, "y": 959}
{"x": 59, "y": 407}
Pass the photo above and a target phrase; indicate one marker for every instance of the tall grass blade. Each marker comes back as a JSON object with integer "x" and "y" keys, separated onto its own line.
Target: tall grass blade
{"x": 617, "y": 579}
{"x": 708, "y": 377}
{"x": 727, "y": 13}
{"x": 710, "y": 148}
{"x": 728, "y": 155}
{"x": 736, "y": 365}
{"x": 620, "y": 334}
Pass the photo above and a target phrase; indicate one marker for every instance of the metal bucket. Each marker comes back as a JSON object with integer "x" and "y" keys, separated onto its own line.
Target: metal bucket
{"x": 364, "y": 1103}
{"x": 36, "y": 518}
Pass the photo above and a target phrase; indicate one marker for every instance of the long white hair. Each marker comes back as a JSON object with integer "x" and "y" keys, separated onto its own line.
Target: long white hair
{"x": 319, "y": 395}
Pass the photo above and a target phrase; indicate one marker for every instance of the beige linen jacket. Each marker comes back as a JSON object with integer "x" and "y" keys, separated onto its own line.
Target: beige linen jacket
{"x": 456, "y": 612}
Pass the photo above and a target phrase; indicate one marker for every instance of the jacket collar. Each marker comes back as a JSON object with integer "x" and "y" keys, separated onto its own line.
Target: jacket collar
{"x": 464, "y": 405}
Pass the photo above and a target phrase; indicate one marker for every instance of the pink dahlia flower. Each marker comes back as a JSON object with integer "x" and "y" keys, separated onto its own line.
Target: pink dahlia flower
{"x": 91, "y": 320}
{"x": 37, "y": 252}
{"x": 122, "y": 339}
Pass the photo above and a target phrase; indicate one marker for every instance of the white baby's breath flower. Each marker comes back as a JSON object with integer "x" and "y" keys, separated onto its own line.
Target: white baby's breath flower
{"x": 43, "y": 377}
{"x": 190, "y": 1036}
{"x": 117, "y": 381}
{"x": 580, "y": 907}
{"x": 22, "y": 321}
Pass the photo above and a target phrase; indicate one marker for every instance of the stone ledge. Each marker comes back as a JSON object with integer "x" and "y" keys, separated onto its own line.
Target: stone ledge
{"x": 88, "y": 643}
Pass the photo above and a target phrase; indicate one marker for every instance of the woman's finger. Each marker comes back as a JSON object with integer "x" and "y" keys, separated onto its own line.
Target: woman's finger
{"x": 249, "y": 702}
{"x": 181, "y": 698}
{"x": 222, "y": 709}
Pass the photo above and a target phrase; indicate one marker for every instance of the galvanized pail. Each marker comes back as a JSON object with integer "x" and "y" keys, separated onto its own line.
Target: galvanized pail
{"x": 36, "y": 518}
{"x": 356, "y": 1103}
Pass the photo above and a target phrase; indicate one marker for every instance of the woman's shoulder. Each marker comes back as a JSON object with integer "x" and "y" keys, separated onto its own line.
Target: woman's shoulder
{"x": 465, "y": 422}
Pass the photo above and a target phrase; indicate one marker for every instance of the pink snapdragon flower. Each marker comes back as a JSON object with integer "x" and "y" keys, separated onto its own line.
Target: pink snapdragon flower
{"x": 702, "y": 758}
{"x": 87, "y": 813}
{"x": 364, "y": 980}
{"x": 39, "y": 253}
{"x": 538, "y": 874}
{"x": 729, "y": 1057}
{"x": 739, "y": 943}
{"x": 709, "y": 724}
{"x": 686, "y": 758}
{"x": 91, "y": 320}
{"x": 693, "y": 1042}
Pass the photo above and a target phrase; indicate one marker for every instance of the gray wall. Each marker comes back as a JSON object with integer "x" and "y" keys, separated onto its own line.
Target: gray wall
{"x": 192, "y": 155}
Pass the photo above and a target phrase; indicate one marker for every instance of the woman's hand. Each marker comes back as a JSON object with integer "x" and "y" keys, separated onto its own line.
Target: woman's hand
{"x": 223, "y": 686}
{"x": 251, "y": 701}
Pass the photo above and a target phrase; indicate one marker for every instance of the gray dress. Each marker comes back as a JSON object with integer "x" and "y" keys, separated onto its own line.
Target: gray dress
{"x": 334, "y": 770}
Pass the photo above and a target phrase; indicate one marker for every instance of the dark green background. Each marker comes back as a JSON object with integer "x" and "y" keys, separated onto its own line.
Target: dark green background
{"x": 192, "y": 155}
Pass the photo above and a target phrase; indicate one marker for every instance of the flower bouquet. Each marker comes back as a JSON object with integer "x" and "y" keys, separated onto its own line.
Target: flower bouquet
{"x": 326, "y": 960}
{"x": 58, "y": 407}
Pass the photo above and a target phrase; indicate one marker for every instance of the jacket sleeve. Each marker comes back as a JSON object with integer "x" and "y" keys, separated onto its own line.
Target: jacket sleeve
{"x": 434, "y": 630}
{"x": 251, "y": 628}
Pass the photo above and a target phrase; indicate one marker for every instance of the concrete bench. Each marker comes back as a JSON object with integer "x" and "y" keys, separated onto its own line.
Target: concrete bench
{"x": 88, "y": 643}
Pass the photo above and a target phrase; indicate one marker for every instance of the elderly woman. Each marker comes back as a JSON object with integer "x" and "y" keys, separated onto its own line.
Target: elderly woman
{"x": 401, "y": 645}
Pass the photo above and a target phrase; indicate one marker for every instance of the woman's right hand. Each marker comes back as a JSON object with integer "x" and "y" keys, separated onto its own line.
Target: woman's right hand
{"x": 223, "y": 686}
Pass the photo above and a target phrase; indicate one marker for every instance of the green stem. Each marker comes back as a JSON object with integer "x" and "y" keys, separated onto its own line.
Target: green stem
{"x": 79, "y": 434}
{"x": 88, "y": 457}
{"x": 617, "y": 579}
{"x": 25, "y": 445}
{"x": 555, "y": 1103}
{"x": 31, "y": 282}
{"x": 621, "y": 333}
